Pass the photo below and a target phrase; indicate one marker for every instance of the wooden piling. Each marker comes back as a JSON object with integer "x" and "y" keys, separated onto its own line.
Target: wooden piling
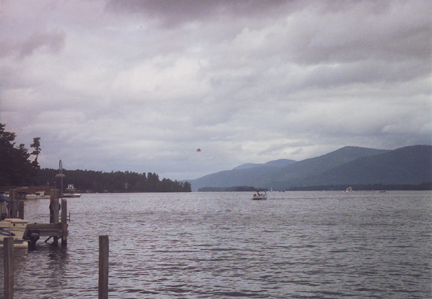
{"x": 54, "y": 206}
{"x": 103, "y": 267}
{"x": 54, "y": 209}
{"x": 13, "y": 195}
{"x": 8, "y": 267}
{"x": 21, "y": 209}
{"x": 64, "y": 224}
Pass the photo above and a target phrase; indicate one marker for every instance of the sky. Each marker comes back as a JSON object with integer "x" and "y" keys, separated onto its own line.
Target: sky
{"x": 136, "y": 85}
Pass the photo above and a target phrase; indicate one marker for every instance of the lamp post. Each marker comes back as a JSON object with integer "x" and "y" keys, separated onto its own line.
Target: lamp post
{"x": 61, "y": 176}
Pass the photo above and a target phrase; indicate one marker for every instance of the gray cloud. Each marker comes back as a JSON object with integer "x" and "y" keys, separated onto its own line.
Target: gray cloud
{"x": 140, "y": 85}
{"x": 172, "y": 13}
{"x": 52, "y": 41}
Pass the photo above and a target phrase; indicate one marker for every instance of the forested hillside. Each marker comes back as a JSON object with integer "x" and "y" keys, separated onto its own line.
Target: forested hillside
{"x": 98, "y": 181}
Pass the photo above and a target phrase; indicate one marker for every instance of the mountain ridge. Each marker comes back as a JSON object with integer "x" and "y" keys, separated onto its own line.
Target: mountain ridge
{"x": 274, "y": 163}
{"x": 380, "y": 169}
{"x": 347, "y": 165}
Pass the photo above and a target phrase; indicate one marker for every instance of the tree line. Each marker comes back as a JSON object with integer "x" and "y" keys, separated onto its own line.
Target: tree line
{"x": 98, "y": 181}
{"x": 20, "y": 167}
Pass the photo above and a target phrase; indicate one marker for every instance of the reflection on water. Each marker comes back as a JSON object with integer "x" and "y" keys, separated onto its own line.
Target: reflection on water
{"x": 224, "y": 245}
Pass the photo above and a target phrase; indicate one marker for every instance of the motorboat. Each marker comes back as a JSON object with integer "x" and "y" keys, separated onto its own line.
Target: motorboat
{"x": 36, "y": 195}
{"x": 13, "y": 227}
{"x": 260, "y": 196}
{"x": 70, "y": 192}
{"x": 71, "y": 195}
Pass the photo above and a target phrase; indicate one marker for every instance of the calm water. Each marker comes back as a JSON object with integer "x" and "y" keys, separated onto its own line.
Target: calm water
{"x": 224, "y": 245}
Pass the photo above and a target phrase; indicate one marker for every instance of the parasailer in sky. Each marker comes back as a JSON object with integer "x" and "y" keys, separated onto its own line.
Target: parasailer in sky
{"x": 198, "y": 150}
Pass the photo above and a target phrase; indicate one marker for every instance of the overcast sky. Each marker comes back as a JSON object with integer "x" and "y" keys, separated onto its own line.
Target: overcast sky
{"x": 141, "y": 85}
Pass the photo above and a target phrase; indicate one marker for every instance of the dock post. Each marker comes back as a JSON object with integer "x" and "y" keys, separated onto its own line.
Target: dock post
{"x": 13, "y": 193}
{"x": 64, "y": 224}
{"x": 103, "y": 267}
{"x": 8, "y": 267}
{"x": 21, "y": 209}
{"x": 54, "y": 208}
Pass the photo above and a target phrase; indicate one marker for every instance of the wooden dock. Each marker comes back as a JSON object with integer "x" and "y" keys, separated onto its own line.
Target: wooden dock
{"x": 56, "y": 229}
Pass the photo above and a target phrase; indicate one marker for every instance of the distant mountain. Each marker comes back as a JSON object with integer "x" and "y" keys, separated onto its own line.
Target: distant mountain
{"x": 257, "y": 176}
{"x": 276, "y": 163}
{"x": 292, "y": 174}
{"x": 348, "y": 165}
{"x": 407, "y": 165}
{"x": 247, "y": 166}
{"x": 280, "y": 163}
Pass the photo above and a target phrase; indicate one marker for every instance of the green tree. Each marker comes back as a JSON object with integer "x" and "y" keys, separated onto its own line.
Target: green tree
{"x": 37, "y": 150}
{"x": 15, "y": 167}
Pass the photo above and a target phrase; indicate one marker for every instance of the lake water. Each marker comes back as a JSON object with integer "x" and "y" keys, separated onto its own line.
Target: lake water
{"x": 224, "y": 245}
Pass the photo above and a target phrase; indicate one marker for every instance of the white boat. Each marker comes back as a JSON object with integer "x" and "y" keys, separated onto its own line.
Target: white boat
{"x": 260, "y": 196}
{"x": 71, "y": 195}
{"x": 36, "y": 195}
{"x": 13, "y": 227}
{"x": 70, "y": 192}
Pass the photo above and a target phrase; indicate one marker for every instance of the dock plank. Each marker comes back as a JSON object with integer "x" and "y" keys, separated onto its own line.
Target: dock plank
{"x": 46, "y": 229}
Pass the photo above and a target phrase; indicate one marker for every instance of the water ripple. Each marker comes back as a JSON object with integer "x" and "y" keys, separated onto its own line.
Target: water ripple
{"x": 223, "y": 245}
